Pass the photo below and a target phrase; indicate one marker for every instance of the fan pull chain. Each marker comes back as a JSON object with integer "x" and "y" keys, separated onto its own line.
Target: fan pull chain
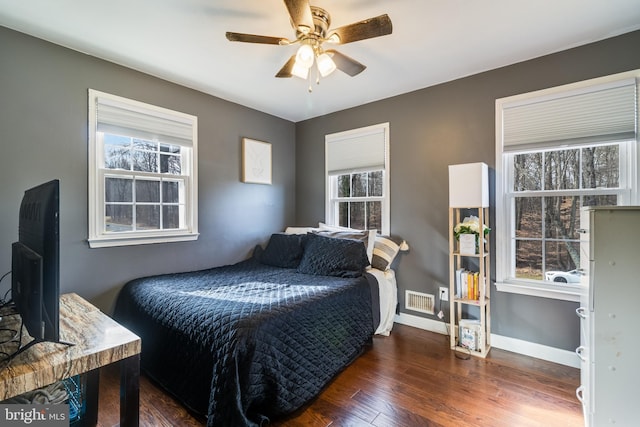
{"x": 317, "y": 80}
{"x": 310, "y": 88}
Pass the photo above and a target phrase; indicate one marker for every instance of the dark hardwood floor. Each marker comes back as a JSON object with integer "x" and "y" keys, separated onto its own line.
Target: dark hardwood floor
{"x": 410, "y": 378}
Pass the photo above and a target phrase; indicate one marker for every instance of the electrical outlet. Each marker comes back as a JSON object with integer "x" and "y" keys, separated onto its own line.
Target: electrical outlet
{"x": 444, "y": 293}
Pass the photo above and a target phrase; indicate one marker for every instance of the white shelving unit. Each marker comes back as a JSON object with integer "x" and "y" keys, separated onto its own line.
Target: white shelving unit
{"x": 459, "y": 303}
{"x": 469, "y": 196}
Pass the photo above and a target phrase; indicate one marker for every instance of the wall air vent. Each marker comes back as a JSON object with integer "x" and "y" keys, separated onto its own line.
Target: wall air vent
{"x": 418, "y": 301}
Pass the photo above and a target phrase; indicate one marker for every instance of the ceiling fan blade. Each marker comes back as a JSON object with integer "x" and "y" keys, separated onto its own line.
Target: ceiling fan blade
{"x": 285, "y": 71}
{"x": 252, "y": 38}
{"x": 367, "y": 29}
{"x": 346, "y": 64}
{"x": 300, "y": 13}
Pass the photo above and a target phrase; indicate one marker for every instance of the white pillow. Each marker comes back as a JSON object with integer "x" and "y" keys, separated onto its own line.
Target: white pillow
{"x": 371, "y": 239}
{"x": 298, "y": 230}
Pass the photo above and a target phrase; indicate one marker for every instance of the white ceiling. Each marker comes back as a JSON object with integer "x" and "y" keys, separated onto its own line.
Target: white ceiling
{"x": 433, "y": 41}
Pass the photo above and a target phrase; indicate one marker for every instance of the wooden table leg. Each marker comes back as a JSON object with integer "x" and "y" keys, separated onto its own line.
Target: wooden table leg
{"x": 130, "y": 391}
{"x": 90, "y": 417}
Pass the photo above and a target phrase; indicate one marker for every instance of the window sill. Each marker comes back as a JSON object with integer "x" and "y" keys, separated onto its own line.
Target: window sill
{"x": 542, "y": 290}
{"x": 130, "y": 240}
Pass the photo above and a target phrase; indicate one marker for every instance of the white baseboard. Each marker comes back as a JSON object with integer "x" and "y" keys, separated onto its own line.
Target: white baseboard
{"x": 422, "y": 323}
{"x": 539, "y": 351}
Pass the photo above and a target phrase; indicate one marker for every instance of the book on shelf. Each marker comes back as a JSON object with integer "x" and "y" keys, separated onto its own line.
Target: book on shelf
{"x": 467, "y": 284}
{"x": 459, "y": 282}
{"x": 470, "y": 334}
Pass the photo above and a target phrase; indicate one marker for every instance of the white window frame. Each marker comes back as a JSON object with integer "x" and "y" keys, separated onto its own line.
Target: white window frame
{"x": 98, "y": 236}
{"x": 331, "y": 182}
{"x": 628, "y": 192}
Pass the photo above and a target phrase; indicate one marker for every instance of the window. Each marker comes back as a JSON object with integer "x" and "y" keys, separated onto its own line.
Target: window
{"x": 557, "y": 151}
{"x": 142, "y": 173}
{"x": 357, "y": 173}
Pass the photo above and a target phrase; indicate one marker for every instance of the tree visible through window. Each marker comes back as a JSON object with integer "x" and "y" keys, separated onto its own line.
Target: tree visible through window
{"x": 142, "y": 202}
{"x": 550, "y": 187}
{"x": 360, "y": 200}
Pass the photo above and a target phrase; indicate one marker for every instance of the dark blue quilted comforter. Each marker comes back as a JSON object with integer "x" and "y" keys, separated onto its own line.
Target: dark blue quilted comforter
{"x": 247, "y": 343}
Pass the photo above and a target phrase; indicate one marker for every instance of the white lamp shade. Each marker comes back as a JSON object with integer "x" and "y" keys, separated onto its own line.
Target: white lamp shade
{"x": 305, "y": 56}
{"x": 469, "y": 185}
{"x": 299, "y": 71}
{"x": 326, "y": 65}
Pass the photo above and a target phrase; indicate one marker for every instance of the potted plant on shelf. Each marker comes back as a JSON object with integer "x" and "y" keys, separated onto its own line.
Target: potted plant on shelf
{"x": 468, "y": 234}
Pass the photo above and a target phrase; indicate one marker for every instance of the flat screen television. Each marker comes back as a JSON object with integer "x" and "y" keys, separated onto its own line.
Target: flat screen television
{"x": 35, "y": 276}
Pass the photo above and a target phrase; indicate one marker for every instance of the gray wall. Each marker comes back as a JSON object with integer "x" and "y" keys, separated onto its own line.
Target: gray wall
{"x": 447, "y": 124}
{"x": 43, "y": 135}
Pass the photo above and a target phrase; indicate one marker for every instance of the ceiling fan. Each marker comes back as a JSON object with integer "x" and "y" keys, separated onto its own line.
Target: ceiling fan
{"x": 311, "y": 24}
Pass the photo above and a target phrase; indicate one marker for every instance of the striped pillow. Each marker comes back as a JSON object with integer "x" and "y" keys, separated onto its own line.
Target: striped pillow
{"x": 385, "y": 250}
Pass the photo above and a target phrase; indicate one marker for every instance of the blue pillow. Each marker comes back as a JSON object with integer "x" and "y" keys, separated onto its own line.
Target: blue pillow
{"x": 283, "y": 250}
{"x": 329, "y": 256}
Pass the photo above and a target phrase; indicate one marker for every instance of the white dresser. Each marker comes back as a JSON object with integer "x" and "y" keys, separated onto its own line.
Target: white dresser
{"x": 609, "y": 312}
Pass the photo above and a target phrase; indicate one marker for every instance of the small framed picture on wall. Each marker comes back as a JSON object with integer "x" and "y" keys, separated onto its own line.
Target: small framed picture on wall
{"x": 256, "y": 161}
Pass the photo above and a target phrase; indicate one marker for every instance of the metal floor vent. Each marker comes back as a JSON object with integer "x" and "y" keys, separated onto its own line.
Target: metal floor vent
{"x": 418, "y": 301}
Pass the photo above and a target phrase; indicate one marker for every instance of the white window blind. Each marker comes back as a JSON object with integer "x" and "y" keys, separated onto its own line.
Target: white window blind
{"x": 348, "y": 153}
{"x": 136, "y": 120}
{"x": 602, "y": 113}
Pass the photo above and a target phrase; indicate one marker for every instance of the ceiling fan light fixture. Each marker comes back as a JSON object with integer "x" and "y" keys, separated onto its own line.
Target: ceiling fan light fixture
{"x": 299, "y": 71}
{"x": 305, "y": 56}
{"x": 326, "y": 65}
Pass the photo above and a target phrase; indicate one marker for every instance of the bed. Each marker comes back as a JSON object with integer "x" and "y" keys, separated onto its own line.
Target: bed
{"x": 246, "y": 343}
